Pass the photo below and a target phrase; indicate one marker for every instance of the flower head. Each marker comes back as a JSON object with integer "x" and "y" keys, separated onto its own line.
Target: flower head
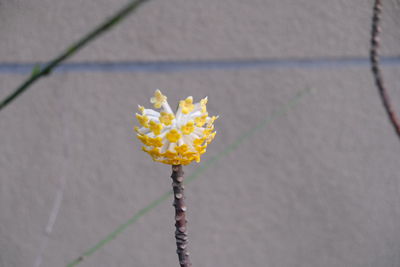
{"x": 175, "y": 139}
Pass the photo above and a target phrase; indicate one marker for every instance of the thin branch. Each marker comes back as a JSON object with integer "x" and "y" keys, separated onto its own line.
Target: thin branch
{"x": 75, "y": 47}
{"x": 375, "y": 67}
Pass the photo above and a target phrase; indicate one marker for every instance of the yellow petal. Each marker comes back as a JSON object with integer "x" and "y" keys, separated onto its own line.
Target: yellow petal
{"x": 188, "y": 128}
{"x": 201, "y": 120}
{"x": 141, "y": 108}
{"x": 158, "y": 99}
{"x": 203, "y": 104}
{"x": 211, "y": 120}
{"x": 211, "y": 137}
{"x": 166, "y": 118}
{"x": 173, "y": 136}
{"x": 187, "y": 105}
{"x": 143, "y": 138}
{"x": 143, "y": 120}
{"x": 170, "y": 154}
{"x": 181, "y": 149}
{"x": 156, "y": 142}
{"x": 155, "y": 127}
{"x": 198, "y": 141}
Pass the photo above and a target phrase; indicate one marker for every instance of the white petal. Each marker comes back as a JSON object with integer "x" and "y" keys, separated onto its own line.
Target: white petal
{"x": 195, "y": 114}
{"x": 165, "y": 146}
{"x": 197, "y": 107}
{"x": 162, "y": 134}
{"x": 151, "y": 135}
{"x": 143, "y": 130}
{"x": 178, "y": 114}
{"x": 180, "y": 142}
{"x": 194, "y": 135}
{"x": 150, "y": 112}
{"x": 167, "y": 108}
{"x": 154, "y": 119}
{"x": 188, "y": 140}
{"x": 199, "y": 131}
{"x": 171, "y": 147}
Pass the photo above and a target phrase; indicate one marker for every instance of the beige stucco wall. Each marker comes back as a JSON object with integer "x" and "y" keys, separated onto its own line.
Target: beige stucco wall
{"x": 317, "y": 186}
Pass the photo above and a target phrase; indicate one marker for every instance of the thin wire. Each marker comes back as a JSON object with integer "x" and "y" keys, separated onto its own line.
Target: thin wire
{"x": 375, "y": 66}
{"x": 38, "y": 72}
{"x": 203, "y": 167}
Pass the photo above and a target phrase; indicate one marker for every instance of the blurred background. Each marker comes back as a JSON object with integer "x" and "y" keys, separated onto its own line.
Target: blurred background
{"x": 309, "y": 180}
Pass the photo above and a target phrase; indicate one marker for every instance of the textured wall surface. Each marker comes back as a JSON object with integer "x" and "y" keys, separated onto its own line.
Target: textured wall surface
{"x": 313, "y": 180}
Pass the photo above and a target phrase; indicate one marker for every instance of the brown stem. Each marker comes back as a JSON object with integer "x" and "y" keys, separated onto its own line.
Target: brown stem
{"x": 376, "y": 71}
{"x": 180, "y": 216}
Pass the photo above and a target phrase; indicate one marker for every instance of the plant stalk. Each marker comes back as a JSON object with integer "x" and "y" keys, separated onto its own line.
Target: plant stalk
{"x": 181, "y": 234}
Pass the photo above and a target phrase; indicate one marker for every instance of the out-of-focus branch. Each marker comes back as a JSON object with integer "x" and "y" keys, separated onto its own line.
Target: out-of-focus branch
{"x": 38, "y": 72}
{"x": 375, "y": 67}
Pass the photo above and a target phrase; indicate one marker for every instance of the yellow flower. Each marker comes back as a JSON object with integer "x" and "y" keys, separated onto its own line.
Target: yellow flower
{"x": 203, "y": 104}
{"x": 210, "y": 137}
{"x": 154, "y": 152}
{"x": 155, "y": 127}
{"x": 141, "y": 108}
{"x": 200, "y": 121}
{"x": 185, "y": 161}
{"x": 188, "y": 128}
{"x": 174, "y": 161}
{"x": 158, "y": 99}
{"x": 196, "y": 158}
{"x": 143, "y": 138}
{"x": 143, "y": 120}
{"x": 201, "y": 150}
{"x": 166, "y": 118}
{"x": 155, "y": 142}
{"x": 181, "y": 149}
{"x": 207, "y": 132}
{"x": 179, "y": 138}
{"x": 170, "y": 154}
{"x": 187, "y": 105}
{"x": 198, "y": 142}
{"x": 211, "y": 121}
{"x": 173, "y": 136}
{"x": 190, "y": 154}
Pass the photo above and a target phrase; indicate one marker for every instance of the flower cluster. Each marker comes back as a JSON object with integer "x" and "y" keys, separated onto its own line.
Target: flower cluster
{"x": 175, "y": 139}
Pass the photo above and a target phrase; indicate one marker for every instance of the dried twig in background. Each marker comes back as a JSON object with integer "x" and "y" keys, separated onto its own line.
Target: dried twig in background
{"x": 374, "y": 57}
